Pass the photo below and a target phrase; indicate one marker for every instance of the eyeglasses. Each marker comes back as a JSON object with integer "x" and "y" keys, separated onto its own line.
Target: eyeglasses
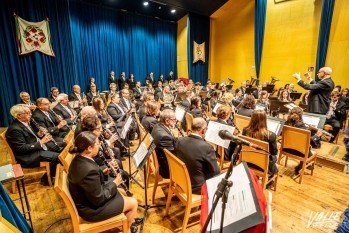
{"x": 173, "y": 119}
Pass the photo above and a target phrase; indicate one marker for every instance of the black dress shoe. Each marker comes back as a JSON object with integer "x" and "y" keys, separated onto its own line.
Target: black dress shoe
{"x": 138, "y": 221}
{"x": 44, "y": 180}
{"x": 133, "y": 228}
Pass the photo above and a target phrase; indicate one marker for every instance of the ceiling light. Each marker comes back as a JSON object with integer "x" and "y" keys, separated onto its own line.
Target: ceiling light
{"x": 145, "y": 3}
{"x": 173, "y": 11}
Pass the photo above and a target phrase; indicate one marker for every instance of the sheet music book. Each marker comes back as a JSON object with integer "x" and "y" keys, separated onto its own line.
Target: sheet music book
{"x": 74, "y": 104}
{"x": 6, "y": 172}
{"x": 311, "y": 120}
{"x": 213, "y": 129}
{"x": 242, "y": 210}
{"x": 180, "y": 113}
{"x": 218, "y": 104}
{"x": 126, "y": 127}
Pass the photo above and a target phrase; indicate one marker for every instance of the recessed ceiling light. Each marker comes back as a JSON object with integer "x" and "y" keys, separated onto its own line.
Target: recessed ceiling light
{"x": 145, "y": 3}
{"x": 173, "y": 11}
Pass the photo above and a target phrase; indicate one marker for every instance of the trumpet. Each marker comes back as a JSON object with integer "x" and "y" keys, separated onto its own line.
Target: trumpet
{"x": 311, "y": 127}
{"x": 45, "y": 132}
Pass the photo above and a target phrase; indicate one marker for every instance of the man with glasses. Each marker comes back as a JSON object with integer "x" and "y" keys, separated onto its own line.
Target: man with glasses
{"x": 319, "y": 96}
{"x": 29, "y": 149}
{"x": 164, "y": 139}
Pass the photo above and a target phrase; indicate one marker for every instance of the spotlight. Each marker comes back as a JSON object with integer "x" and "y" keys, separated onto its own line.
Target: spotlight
{"x": 145, "y": 3}
{"x": 173, "y": 11}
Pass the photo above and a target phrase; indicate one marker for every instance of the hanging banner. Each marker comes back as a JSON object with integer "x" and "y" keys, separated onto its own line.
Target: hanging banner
{"x": 199, "y": 52}
{"x": 33, "y": 36}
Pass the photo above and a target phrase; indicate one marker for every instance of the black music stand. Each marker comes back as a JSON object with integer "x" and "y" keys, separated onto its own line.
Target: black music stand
{"x": 140, "y": 157}
{"x": 278, "y": 107}
{"x": 229, "y": 87}
{"x": 295, "y": 95}
{"x": 304, "y": 107}
{"x": 250, "y": 90}
{"x": 269, "y": 88}
{"x": 180, "y": 97}
{"x": 203, "y": 94}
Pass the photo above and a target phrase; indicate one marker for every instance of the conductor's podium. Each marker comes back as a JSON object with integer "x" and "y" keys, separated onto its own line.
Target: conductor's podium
{"x": 330, "y": 155}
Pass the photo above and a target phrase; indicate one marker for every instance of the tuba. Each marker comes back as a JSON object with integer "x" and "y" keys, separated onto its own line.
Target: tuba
{"x": 230, "y": 81}
{"x": 253, "y": 80}
{"x": 273, "y": 80}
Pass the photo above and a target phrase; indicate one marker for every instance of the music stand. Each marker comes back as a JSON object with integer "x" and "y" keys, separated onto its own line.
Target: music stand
{"x": 269, "y": 88}
{"x": 203, "y": 94}
{"x": 304, "y": 107}
{"x": 250, "y": 90}
{"x": 180, "y": 97}
{"x": 229, "y": 87}
{"x": 275, "y": 124}
{"x": 180, "y": 112}
{"x": 278, "y": 106}
{"x": 140, "y": 157}
{"x": 295, "y": 95}
{"x": 312, "y": 119}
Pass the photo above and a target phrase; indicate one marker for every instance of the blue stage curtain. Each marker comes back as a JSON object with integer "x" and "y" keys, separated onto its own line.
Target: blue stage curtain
{"x": 198, "y": 31}
{"x": 11, "y": 213}
{"x": 259, "y": 25}
{"x": 324, "y": 34}
{"x": 88, "y": 40}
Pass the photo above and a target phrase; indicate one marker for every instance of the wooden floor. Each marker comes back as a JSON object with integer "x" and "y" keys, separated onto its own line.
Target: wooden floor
{"x": 293, "y": 204}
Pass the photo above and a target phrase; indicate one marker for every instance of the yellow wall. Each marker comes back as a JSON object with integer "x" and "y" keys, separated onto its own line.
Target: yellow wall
{"x": 182, "y": 47}
{"x": 290, "y": 39}
{"x": 338, "y": 47}
{"x": 232, "y": 42}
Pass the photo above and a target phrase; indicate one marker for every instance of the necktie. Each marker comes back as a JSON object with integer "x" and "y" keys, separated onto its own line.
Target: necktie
{"x": 48, "y": 116}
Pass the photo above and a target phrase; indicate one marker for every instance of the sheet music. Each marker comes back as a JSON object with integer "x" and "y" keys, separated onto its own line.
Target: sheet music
{"x": 180, "y": 113}
{"x": 74, "y": 104}
{"x": 213, "y": 129}
{"x": 290, "y": 106}
{"x": 53, "y": 104}
{"x": 259, "y": 107}
{"x": 311, "y": 120}
{"x": 273, "y": 126}
{"x": 140, "y": 154}
{"x": 241, "y": 203}
{"x": 216, "y": 107}
{"x": 126, "y": 127}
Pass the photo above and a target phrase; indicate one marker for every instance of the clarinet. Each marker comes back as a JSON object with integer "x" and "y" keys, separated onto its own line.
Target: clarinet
{"x": 114, "y": 170}
{"x": 117, "y": 134}
{"x": 180, "y": 131}
{"x": 44, "y": 131}
{"x": 59, "y": 118}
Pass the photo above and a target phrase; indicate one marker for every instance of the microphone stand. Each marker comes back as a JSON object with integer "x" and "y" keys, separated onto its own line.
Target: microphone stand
{"x": 222, "y": 192}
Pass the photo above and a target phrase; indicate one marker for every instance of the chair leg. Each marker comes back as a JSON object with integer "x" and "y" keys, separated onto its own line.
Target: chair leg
{"x": 302, "y": 171}
{"x": 276, "y": 180}
{"x": 155, "y": 186}
{"x": 125, "y": 228}
{"x": 186, "y": 217}
{"x": 48, "y": 170}
{"x": 169, "y": 198}
{"x": 286, "y": 159}
{"x": 13, "y": 188}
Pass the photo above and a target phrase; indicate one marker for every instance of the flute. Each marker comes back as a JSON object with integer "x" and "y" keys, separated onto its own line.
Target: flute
{"x": 44, "y": 131}
{"x": 310, "y": 127}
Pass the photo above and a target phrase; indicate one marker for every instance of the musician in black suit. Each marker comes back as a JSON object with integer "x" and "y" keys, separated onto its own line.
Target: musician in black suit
{"x": 91, "y": 83}
{"x": 122, "y": 80}
{"x": 198, "y": 155}
{"x": 137, "y": 91}
{"x": 54, "y": 93}
{"x": 131, "y": 82}
{"x": 95, "y": 199}
{"x": 187, "y": 101}
{"x": 208, "y": 87}
{"x": 256, "y": 93}
{"x": 151, "y": 78}
{"x": 93, "y": 93}
{"x": 125, "y": 99}
{"x": 78, "y": 97}
{"x": 170, "y": 76}
{"x": 46, "y": 118}
{"x": 112, "y": 78}
{"x": 243, "y": 88}
{"x": 161, "y": 78}
{"x": 336, "y": 114}
{"x": 152, "y": 110}
{"x": 147, "y": 97}
{"x": 64, "y": 110}
{"x": 117, "y": 111}
{"x": 28, "y": 148}
{"x": 158, "y": 89}
{"x": 320, "y": 91}
{"x": 25, "y": 99}
{"x": 163, "y": 138}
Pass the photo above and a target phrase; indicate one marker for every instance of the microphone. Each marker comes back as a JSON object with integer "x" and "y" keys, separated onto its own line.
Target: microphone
{"x": 225, "y": 135}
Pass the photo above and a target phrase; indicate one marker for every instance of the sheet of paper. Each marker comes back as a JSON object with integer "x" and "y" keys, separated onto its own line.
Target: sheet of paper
{"x": 273, "y": 126}
{"x": 240, "y": 204}
{"x": 180, "y": 113}
{"x": 216, "y": 107}
{"x": 74, "y": 104}
{"x": 213, "y": 129}
{"x": 290, "y": 105}
{"x": 126, "y": 127}
{"x": 310, "y": 120}
{"x": 260, "y": 107}
{"x": 140, "y": 154}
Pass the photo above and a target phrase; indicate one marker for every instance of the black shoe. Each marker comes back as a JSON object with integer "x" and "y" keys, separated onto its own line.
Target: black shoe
{"x": 44, "y": 180}
{"x": 296, "y": 170}
{"x": 311, "y": 167}
{"x": 138, "y": 221}
{"x": 270, "y": 185}
{"x": 131, "y": 144}
{"x": 346, "y": 158}
{"x": 133, "y": 229}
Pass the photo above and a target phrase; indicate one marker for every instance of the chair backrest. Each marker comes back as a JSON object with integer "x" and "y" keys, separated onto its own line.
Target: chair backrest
{"x": 178, "y": 173}
{"x": 9, "y": 149}
{"x": 295, "y": 138}
{"x": 61, "y": 187}
{"x": 254, "y": 157}
{"x": 69, "y": 136}
{"x": 142, "y": 131}
{"x": 241, "y": 121}
{"x": 65, "y": 157}
{"x": 189, "y": 119}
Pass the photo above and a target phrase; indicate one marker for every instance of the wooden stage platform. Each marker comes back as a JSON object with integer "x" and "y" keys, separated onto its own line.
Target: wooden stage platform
{"x": 330, "y": 155}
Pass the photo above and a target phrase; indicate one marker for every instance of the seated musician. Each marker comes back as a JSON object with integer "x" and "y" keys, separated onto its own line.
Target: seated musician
{"x": 295, "y": 119}
{"x": 79, "y": 97}
{"x": 116, "y": 111}
{"x": 158, "y": 89}
{"x": 215, "y": 96}
{"x": 165, "y": 97}
{"x": 147, "y": 97}
{"x": 197, "y": 88}
{"x": 112, "y": 91}
{"x": 187, "y": 101}
{"x": 28, "y": 148}
{"x": 172, "y": 85}
{"x": 95, "y": 199}
{"x": 198, "y": 155}
{"x": 25, "y": 99}
{"x": 304, "y": 100}
{"x": 92, "y": 94}
{"x": 47, "y": 118}
{"x": 150, "y": 88}
{"x": 195, "y": 107}
{"x": 64, "y": 110}
{"x": 257, "y": 129}
{"x": 283, "y": 88}
{"x": 263, "y": 101}
{"x": 106, "y": 120}
{"x": 247, "y": 106}
{"x": 291, "y": 88}
{"x": 137, "y": 91}
{"x": 227, "y": 98}
{"x": 257, "y": 93}
{"x": 91, "y": 83}
{"x": 164, "y": 138}
{"x": 208, "y": 87}
{"x": 131, "y": 81}
{"x": 284, "y": 96}
{"x": 152, "y": 111}
{"x": 54, "y": 94}
{"x": 336, "y": 114}
{"x": 238, "y": 97}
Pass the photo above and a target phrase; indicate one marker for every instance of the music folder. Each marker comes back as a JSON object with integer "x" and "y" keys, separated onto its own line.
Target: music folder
{"x": 295, "y": 95}
{"x": 242, "y": 210}
{"x": 145, "y": 148}
{"x": 6, "y": 172}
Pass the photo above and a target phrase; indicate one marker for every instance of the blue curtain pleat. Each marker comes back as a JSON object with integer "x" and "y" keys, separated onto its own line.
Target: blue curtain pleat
{"x": 324, "y": 33}
{"x": 88, "y": 41}
{"x": 259, "y": 25}
{"x": 198, "y": 31}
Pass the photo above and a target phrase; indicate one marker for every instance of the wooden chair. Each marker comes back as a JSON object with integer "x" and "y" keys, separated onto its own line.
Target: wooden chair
{"x": 189, "y": 119}
{"x": 299, "y": 140}
{"x": 260, "y": 161}
{"x": 142, "y": 131}
{"x": 241, "y": 121}
{"x": 78, "y": 224}
{"x": 27, "y": 171}
{"x": 223, "y": 164}
{"x": 65, "y": 157}
{"x": 69, "y": 136}
{"x": 153, "y": 169}
{"x": 180, "y": 186}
